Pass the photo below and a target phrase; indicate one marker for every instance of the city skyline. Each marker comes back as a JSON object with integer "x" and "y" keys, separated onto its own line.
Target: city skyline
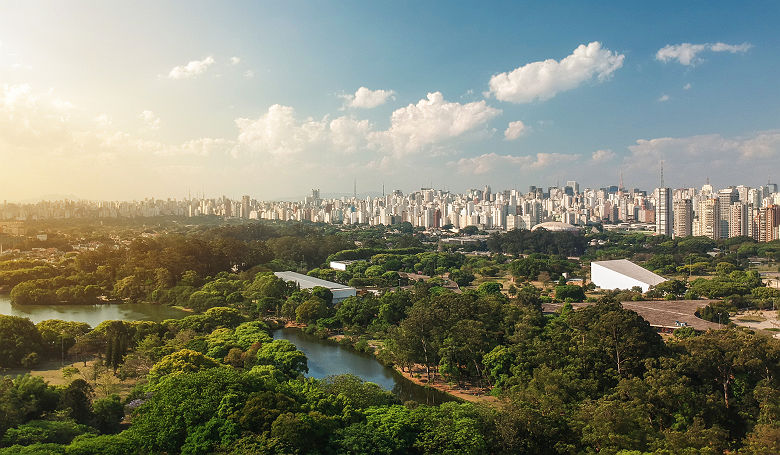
{"x": 735, "y": 211}
{"x": 127, "y": 101}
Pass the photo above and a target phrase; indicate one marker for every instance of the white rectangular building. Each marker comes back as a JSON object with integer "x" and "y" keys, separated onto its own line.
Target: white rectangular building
{"x": 622, "y": 274}
{"x": 340, "y": 291}
{"x": 340, "y": 265}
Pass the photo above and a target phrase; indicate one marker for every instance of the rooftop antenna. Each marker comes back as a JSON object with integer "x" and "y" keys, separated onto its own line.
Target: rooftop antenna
{"x": 662, "y": 173}
{"x": 354, "y": 189}
{"x": 621, "y": 180}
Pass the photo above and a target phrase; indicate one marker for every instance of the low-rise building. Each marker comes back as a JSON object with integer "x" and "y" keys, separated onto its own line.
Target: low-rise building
{"x": 622, "y": 274}
{"x": 340, "y": 291}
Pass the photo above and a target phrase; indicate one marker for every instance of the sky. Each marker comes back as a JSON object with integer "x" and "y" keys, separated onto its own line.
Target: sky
{"x": 129, "y": 100}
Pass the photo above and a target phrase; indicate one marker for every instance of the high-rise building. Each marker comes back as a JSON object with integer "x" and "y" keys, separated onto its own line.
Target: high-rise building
{"x": 663, "y": 212}
{"x": 683, "y": 218}
{"x": 726, "y": 196}
{"x": 708, "y": 221}
{"x": 738, "y": 219}
{"x": 766, "y": 224}
{"x": 245, "y": 207}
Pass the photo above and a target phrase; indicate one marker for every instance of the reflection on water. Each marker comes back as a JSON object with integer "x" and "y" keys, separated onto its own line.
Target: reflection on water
{"x": 326, "y": 358}
{"x": 91, "y": 314}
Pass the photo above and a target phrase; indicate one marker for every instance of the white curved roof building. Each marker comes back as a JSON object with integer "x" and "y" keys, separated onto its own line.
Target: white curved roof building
{"x": 622, "y": 274}
{"x": 556, "y": 226}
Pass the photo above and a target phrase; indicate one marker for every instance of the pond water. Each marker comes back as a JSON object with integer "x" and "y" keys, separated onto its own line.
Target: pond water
{"x": 91, "y": 314}
{"x": 326, "y": 358}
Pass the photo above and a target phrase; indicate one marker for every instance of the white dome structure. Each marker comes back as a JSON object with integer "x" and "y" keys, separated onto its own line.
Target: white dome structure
{"x": 556, "y": 226}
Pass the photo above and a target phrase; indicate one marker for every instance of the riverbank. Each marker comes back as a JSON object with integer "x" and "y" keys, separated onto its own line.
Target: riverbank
{"x": 417, "y": 375}
{"x": 468, "y": 393}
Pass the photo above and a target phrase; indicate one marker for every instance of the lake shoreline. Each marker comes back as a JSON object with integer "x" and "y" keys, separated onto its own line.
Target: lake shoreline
{"x": 416, "y": 376}
{"x": 368, "y": 367}
{"x": 92, "y": 314}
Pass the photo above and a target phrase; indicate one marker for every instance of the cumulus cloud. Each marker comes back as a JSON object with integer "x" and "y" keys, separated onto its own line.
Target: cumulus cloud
{"x": 489, "y": 162}
{"x": 687, "y": 53}
{"x": 663, "y": 98}
{"x": 433, "y": 120}
{"x": 729, "y": 158}
{"x": 365, "y": 98}
{"x": 278, "y": 132}
{"x": 150, "y": 119}
{"x": 687, "y": 86}
{"x": 542, "y": 80}
{"x": 423, "y": 126}
{"x": 514, "y": 130}
{"x": 235, "y": 60}
{"x": 192, "y": 69}
{"x": 603, "y": 155}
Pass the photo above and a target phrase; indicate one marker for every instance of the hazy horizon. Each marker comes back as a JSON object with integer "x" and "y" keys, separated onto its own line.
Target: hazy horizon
{"x": 147, "y": 99}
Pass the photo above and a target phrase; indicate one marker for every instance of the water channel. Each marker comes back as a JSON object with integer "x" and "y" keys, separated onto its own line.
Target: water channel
{"x": 325, "y": 358}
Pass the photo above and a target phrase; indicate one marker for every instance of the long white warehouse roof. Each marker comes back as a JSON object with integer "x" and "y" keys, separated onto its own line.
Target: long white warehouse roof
{"x": 308, "y": 282}
{"x": 631, "y": 270}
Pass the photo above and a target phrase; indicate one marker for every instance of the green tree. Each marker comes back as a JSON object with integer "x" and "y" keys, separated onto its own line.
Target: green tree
{"x": 285, "y": 356}
{"x": 19, "y": 338}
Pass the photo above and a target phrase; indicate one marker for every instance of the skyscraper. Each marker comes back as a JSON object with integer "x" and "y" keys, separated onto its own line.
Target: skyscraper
{"x": 683, "y": 218}
{"x": 709, "y": 218}
{"x": 738, "y": 219}
{"x": 245, "y": 207}
{"x": 726, "y": 196}
{"x": 663, "y": 212}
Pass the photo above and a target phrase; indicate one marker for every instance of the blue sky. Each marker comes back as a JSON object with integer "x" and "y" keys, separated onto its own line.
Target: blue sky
{"x": 123, "y": 100}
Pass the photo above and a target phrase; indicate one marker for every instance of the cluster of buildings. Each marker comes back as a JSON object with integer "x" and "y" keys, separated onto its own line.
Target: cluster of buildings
{"x": 729, "y": 212}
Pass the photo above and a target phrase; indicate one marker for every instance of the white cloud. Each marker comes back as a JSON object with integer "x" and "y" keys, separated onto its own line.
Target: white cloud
{"x": 603, "y": 155}
{"x": 544, "y": 79}
{"x": 235, "y": 60}
{"x": 514, "y": 130}
{"x": 249, "y": 74}
{"x": 365, "y": 98}
{"x": 192, "y": 69}
{"x": 278, "y": 132}
{"x": 433, "y": 120}
{"x": 687, "y": 53}
{"x": 733, "y": 48}
{"x": 150, "y": 119}
{"x": 349, "y": 135}
{"x": 489, "y": 162}
{"x": 727, "y": 159}
{"x": 425, "y": 126}
{"x": 687, "y": 86}
{"x": 663, "y": 98}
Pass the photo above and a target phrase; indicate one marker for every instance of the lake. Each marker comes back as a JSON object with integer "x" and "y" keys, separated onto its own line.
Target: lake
{"x": 326, "y": 358}
{"x": 91, "y": 314}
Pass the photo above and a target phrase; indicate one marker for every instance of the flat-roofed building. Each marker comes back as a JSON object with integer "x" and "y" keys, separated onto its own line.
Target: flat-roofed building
{"x": 622, "y": 274}
{"x": 683, "y": 218}
{"x": 340, "y": 291}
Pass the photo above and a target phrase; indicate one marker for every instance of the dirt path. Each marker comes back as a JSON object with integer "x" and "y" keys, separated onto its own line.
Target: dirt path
{"x": 468, "y": 393}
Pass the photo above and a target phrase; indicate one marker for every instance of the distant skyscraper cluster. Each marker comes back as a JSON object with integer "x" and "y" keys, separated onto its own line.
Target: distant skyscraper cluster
{"x": 728, "y": 212}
